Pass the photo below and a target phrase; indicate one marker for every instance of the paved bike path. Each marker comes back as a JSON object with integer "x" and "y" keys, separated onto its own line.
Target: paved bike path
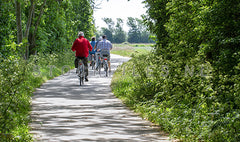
{"x": 64, "y": 111}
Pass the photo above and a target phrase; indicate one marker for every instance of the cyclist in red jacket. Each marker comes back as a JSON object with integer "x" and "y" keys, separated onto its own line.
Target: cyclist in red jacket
{"x": 82, "y": 47}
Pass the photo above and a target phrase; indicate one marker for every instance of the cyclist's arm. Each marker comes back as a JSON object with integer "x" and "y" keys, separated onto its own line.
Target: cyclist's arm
{"x": 95, "y": 47}
{"x": 111, "y": 46}
{"x": 98, "y": 47}
{"x": 74, "y": 45}
{"x": 89, "y": 46}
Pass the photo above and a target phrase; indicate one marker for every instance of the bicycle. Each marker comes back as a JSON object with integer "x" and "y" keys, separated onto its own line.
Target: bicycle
{"x": 98, "y": 65}
{"x": 93, "y": 62}
{"x": 105, "y": 64}
{"x": 80, "y": 71}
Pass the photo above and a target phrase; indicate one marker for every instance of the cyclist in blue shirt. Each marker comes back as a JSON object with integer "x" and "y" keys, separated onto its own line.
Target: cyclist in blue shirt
{"x": 93, "y": 43}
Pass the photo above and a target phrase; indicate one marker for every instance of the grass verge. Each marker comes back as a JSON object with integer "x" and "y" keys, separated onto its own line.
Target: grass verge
{"x": 186, "y": 107}
{"x": 128, "y": 50}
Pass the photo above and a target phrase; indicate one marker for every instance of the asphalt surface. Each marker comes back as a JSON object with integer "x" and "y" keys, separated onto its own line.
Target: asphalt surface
{"x": 64, "y": 111}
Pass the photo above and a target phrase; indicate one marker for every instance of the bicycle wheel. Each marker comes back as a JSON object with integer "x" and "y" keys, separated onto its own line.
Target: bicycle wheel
{"x": 81, "y": 74}
{"x": 82, "y": 78}
{"x": 106, "y": 68}
{"x": 99, "y": 67}
{"x": 93, "y": 65}
{"x": 80, "y": 81}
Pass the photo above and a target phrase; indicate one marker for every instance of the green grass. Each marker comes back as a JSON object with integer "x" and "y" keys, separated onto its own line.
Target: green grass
{"x": 141, "y": 45}
{"x": 125, "y": 53}
{"x": 127, "y": 49}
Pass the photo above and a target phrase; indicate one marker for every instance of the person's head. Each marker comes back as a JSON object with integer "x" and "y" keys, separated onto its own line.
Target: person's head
{"x": 80, "y": 34}
{"x": 93, "y": 38}
{"x": 104, "y": 37}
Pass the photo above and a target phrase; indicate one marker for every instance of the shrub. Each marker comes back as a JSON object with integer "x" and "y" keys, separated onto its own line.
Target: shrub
{"x": 192, "y": 105}
{"x": 18, "y": 79}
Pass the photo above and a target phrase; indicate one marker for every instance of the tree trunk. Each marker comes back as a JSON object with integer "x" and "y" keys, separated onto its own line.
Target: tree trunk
{"x": 31, "y": 10}
{"x": 33, "y": 36}
{"x": 28, "y": 27}
{"x": 19, "y": 22}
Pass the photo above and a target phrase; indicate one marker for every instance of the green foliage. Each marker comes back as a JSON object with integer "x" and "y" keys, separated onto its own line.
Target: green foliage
{"x": 137, "y": 33}
{"x": 156, "y": 18}
{"x": 58, "y": 26}
{"x": 7, "y": 28}
{"x": 120, "y": 35}
{"x": 111, "y": 32}
{"x": 13, "y": 99}
{"x": 182, "y": 101}
{"x": 18, "y": 79}
{"x": 53, "y": 28}
{"x": 108, "y": 33}
{"x": 193, "y": 89}
{"x": 82, "y": 17}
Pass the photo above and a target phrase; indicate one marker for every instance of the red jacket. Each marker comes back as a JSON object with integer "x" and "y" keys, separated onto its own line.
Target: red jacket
{"x": 82, "y": 46}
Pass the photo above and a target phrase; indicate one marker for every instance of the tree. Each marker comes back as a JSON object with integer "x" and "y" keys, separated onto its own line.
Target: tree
{"x": 7, "y": 21}
{"x": 45, "y": 26}
{"x": 29, "y": 23}
{"x": 134, "y": 34}
{"x": 110, "y": 30}
{"x": 19, "y": 25}
{"x": 144, "y": 32}
{"x": 19, "y": 21}
{"x": 155, "y": 19}
{"x": 108, "y": 33}
{"x": 119, "y": 34}
{"x": 32, "y": 35}
{"x": 138, "y": 32}
{"x": 198, "y": 33}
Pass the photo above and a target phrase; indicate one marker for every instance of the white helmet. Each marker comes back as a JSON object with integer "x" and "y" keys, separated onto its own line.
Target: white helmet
{"x": 80, "y": 33}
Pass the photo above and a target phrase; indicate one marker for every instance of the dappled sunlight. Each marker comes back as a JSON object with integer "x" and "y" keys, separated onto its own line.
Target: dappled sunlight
{"x": 64, "y": 111}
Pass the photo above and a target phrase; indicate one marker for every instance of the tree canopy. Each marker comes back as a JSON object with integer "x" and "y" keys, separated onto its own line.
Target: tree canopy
{"x": 35, "y": 34}
{"x": 198, "y": 47}
{"x": 43, "y": 26}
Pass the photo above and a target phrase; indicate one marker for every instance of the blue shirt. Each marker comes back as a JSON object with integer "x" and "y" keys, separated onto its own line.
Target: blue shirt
{"x": 93, "y": 43}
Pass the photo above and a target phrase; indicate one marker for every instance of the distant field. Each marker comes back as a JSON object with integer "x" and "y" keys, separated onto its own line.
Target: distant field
{"x": 127, "y": 49}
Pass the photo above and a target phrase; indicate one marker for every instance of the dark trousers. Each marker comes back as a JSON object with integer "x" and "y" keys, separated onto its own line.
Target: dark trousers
{"x": 85, "y": 62}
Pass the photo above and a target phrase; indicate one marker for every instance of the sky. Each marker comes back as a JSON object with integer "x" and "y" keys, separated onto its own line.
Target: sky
{"x": 118, "y": 9}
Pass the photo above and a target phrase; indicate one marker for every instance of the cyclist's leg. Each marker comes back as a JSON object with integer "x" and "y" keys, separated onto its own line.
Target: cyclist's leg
{"x": 101, "y": 59}
{"x": 90, "y": 59}
{"x": 109, "y": 64}
{"x": 76, "y": 62}
{"x": 97, "y": 56}
{"x": 97, "y": 60}
{"x": 107, "y": 54}
{"x": 108, "y": 58}
{"x": 85, "y": 62}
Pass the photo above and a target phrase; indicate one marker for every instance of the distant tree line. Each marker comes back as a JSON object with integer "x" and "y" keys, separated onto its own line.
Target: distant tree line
{"x": 137, "y": 33}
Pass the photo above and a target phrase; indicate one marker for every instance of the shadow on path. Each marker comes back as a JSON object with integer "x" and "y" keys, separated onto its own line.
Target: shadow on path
{"x": 64, "y": 111}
